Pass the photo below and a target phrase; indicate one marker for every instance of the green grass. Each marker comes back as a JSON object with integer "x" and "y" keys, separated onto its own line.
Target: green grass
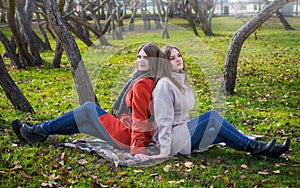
{"x": 266, "y": 103}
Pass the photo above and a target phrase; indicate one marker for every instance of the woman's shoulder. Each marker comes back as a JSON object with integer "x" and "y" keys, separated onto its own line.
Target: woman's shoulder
{"x": 164, "y": 81}
{"x": 144, "y": 82}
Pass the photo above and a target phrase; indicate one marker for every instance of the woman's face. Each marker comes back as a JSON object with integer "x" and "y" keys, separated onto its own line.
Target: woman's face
{"x": 142, "y": 61}
{"x": 176, "y": 60}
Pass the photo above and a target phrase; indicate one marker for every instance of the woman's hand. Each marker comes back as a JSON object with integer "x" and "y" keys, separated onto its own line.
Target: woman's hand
{"x": 142, "y": 157}
{"x": 159, "y": 156}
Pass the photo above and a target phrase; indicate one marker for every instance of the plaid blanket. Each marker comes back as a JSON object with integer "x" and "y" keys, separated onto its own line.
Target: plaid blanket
{"x": 116, "y": 155}
{"x": 123, "y": 157}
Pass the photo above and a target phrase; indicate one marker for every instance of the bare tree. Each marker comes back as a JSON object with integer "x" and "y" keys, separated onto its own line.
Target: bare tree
{"x": 12, "y": 91}
{"x": 24, "y": 55}
{"x": 80, "y": 75}
{"x": 10, "y": 51}
{"x": 200, "y": 7}
{"x": 25, "y": 12}
{"x": 230, "y": 68}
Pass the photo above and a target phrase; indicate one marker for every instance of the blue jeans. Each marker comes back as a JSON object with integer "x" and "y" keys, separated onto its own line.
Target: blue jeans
{"x": 212, "y": 128}
{"x": 81, "y": 120}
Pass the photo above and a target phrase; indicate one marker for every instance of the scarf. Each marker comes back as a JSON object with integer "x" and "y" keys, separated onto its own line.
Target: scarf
{"x": 119, "y": 107}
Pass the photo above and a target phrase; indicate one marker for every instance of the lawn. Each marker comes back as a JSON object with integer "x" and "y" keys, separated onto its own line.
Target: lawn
{"x": 266, "y": 103}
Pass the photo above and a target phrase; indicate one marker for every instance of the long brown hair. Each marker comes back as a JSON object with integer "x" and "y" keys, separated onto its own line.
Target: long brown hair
{"x": 157, "y": 61}
{"x": 167, "y": 50}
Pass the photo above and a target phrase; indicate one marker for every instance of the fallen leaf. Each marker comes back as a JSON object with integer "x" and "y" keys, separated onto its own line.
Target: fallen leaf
{"x": 17, "y": 167}
{"x": 276, "y": 171}
{"x": 138, "y": 171}
{"x": 167, "y": 168}
{"x": 265, "y": 181}
{"x": 188, "y": 164}
{"x": 122, "y": 173}
{"x": 25, "y": 176}
{"x": 95, "y": 185}
{"x": 44, "y": 184}
{"x": 53, "y": 177}
{"x": 82, "y": 161}
{"x": 110, "y": 181}
{"x": 226, "y": 179}
{"x": 290, "y": 173}
{"x": 264, "y": 173}
{"x": 180, "y": 181}
{"x": 244, "y": 166}
{"x": 202, "y": 166}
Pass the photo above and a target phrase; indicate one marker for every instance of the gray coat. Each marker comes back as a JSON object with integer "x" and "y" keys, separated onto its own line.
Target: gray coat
{"x": 171, "y": 112}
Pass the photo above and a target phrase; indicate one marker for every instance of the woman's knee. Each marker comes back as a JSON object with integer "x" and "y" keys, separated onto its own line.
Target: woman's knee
{"x": 89, "y": 104}
{"x": 214, "y": 113}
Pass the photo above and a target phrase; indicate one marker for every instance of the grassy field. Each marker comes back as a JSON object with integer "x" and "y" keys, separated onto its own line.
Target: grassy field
{"x": 266, "y": 103}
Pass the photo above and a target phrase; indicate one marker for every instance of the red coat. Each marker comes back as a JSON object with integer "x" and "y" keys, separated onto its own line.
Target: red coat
{"x": 133, "y": 131}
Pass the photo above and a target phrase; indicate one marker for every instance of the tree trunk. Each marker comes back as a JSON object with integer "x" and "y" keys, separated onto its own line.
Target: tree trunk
{"x": 200, "y": 8}
{"x": 12, "y": 91}
{"x": 10, "y": 51}
{"x": 80, "y": 35}
{"x": 25, "y": 13}
{"x": 90, "y": 27}
{"x": 165, "y": 32}
{"x": 24, "y": 55}
{"x": 80, "y": 75}
{"x": 230, "y": 68}
{"x": 57, "y": 55}
{"x": 46, "y": 43}
{"x": 285, "y": 23}
{"x": 282, "y": 19}
{"x": 131, "y": 20}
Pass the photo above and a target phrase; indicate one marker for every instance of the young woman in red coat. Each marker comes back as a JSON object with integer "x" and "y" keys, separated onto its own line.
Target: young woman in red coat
{"x": 131, "y": 124}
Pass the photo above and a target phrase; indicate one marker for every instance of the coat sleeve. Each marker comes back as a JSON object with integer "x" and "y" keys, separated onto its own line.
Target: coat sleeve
{"x": 163, "y": 99}
{"x": 141, "y": 103}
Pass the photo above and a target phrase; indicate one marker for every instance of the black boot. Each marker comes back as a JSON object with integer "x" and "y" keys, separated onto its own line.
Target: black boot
{"x": 279, "y": 149}
{"x": 16, "y": 126}
{"x": 33, "y": 134}
{"x": 259, "y": 148}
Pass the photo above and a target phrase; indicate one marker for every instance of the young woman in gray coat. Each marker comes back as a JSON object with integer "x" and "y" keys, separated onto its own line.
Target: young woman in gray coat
{"x": 176, "y": 133}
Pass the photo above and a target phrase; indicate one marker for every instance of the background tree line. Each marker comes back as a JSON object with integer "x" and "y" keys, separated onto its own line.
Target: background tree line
{"x": 81, "y": 18}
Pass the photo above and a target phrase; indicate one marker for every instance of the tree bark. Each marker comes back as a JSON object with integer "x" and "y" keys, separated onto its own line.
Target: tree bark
{"x": 46, "y": 43}
{"x": 10, "y": 51}
{"x": 90, "y": 27}
{"x": 25, "y": 13}
{"x": 230, "y": 68}
{"x": 80, "y": 75}
{"x": 24, "y": 55}
{"x": 200, "y": 8}
{"x": 165, "y": 32}
{"x": 57, "y": 55}
{"x": 80, "y": 35}
{"x": 285, "y": 23}
{"x": 12, "y": 91}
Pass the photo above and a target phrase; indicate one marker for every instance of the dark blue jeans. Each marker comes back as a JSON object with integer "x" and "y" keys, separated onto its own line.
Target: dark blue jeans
{"x": 212, "y": 128}
{"x": 81, "y": 120}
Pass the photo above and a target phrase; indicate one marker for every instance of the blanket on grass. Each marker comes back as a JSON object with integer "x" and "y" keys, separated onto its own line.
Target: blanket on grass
{"x": 123, "y": 157}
